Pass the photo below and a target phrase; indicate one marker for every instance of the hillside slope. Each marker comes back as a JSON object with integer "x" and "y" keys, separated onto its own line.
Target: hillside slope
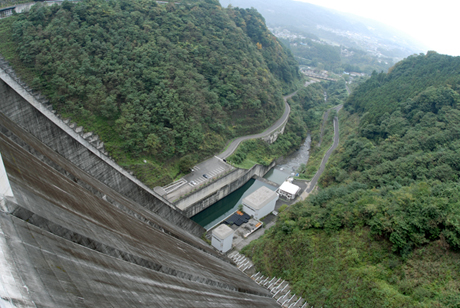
{"x": 384, "y": 229}
{"x": 156, "y": 81}
{"x": 333, "y": 26}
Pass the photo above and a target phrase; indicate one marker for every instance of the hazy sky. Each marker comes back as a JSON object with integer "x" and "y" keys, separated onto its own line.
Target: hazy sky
{"x": 433, "y": 23}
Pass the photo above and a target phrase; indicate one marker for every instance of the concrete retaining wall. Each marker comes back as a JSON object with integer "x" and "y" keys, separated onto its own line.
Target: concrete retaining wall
{"x": 274, "y": 135}
{"x": 207, "y": 196}
{"x": 22, "y": 108}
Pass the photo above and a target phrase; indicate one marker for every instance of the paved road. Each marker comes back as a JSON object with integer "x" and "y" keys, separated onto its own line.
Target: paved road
{"x": 215, "y": 166}
{"x": 287, "y": 110}
{"x": 236, "y": 142}
{"x": 320, "y": 171}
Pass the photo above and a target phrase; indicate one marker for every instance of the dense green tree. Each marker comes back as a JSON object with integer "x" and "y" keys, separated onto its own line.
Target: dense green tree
{"x": 168, "y": 79}
{"x": 388, "y": 195}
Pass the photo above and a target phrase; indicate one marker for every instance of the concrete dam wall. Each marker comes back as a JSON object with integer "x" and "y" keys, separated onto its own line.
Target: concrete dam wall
{"x": 78, "y": 231}
{"x": 210, "y": 194}
{"x": 24, "y": 110}
{"x": 63, "y": 246}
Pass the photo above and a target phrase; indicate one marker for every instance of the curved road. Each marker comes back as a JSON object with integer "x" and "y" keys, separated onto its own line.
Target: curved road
{"x": 281, "y": 121}
{"x": 320, "y": 171}
{"x": 236, "y": 142}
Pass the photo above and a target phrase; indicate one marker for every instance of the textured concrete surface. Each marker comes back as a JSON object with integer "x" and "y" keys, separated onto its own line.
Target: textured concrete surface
{"x": 20, "y": 107}
{"x": 76, "y": 175}
{"x": 80, "y": 233}
{"x": 64, "y": 246}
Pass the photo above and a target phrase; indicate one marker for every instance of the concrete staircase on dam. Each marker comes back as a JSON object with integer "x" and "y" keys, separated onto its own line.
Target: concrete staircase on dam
{"x": 18, "y": 105}
{"x": 76, "y": 231}
{"x": 279, "y": 288}
{"x": 92, "y": 138}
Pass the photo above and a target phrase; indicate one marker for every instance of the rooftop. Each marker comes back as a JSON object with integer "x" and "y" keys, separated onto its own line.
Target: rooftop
{"x": 260, "y": 198}
{"x": 222, "y": 231}
{"x": 289, "y": 188}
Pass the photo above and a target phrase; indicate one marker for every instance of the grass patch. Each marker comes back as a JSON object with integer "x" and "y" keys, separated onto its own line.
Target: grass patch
{"x": 252, "y": 152}
{"x": 246, "y": 164}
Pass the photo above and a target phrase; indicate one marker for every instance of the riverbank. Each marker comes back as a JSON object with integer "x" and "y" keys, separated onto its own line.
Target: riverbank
{"x": 276, "y": 176}
{"x": 283, "y": 169}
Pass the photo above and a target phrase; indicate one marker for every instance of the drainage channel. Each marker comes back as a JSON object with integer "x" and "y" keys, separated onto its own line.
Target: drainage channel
{"x": 278, "y": 287}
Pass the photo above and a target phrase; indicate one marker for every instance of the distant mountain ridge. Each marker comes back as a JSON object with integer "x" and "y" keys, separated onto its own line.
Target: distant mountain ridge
{"x": 333, "y": 25}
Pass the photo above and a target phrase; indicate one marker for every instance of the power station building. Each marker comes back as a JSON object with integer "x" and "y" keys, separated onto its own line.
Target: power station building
{"x": 222, "y": 238}
{"x": 260, "y": 203}
{"x": 288, "y": 190}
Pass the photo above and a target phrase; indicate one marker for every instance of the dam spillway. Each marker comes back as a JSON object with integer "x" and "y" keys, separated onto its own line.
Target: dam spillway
{"x": 77, "y": 232}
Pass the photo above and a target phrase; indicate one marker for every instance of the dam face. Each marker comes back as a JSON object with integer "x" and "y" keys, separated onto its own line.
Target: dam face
{"x": 77, "y": 231}
{"x": 23, "y": 109}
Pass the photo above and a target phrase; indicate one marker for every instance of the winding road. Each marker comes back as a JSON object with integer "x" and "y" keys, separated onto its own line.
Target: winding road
{"x": 215, "y": 166}
{"x": 281, "y": 121}
{"x": 236, "y": 142}
{"x": 320, "y": 171}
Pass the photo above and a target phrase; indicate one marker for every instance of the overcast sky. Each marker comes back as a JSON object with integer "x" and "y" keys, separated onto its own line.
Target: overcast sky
{"x": 436, "y": 24}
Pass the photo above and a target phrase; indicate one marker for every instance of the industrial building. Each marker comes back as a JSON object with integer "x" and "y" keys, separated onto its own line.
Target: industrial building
{"x": 222, "y": 238}
{"x": 260, "y": 203}
{"x": 288, "y": 190}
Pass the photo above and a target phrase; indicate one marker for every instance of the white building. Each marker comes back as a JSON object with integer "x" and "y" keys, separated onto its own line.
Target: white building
{"x": 222, "y": 238}
{"x": 260, "y": 203}
{"x": 288, "y": 190}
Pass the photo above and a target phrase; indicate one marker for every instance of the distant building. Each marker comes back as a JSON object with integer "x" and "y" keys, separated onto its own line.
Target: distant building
{"x": 288, "y": 190}
{"x": 260, "y": 203}
{"x": 222, "y": 238}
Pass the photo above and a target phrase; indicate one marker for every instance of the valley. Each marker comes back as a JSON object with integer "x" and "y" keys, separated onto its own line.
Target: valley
{"x": 129, "y": 129}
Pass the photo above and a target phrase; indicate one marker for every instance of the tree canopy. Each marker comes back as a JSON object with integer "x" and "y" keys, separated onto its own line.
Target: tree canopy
{"x": 392, "y": 186}
{"x": 168, "y": 79}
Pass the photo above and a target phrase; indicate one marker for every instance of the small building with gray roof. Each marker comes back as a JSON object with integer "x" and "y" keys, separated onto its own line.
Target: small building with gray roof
{"x": 222, "y": 238}
{"x": 260, "y": 203}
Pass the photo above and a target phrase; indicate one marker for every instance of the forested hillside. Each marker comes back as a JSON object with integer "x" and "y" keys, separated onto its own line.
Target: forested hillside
{"x": 384, "y": 229}
{"x": 154, "y": 80}
{"x": 328, "y": 39}
{"x": 335, "y": 58}
{"x": 307, "y": 107}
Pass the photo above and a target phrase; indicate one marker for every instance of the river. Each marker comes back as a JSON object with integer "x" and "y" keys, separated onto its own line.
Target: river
{"x": 285, "y": 168}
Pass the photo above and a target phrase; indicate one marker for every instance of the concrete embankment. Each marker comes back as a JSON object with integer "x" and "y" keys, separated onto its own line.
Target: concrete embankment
{"x": 76, "y": 230}
{"x": 22, "y": 108}
{"x": 63, "y": 245}
{"x": 210, "y": 194}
